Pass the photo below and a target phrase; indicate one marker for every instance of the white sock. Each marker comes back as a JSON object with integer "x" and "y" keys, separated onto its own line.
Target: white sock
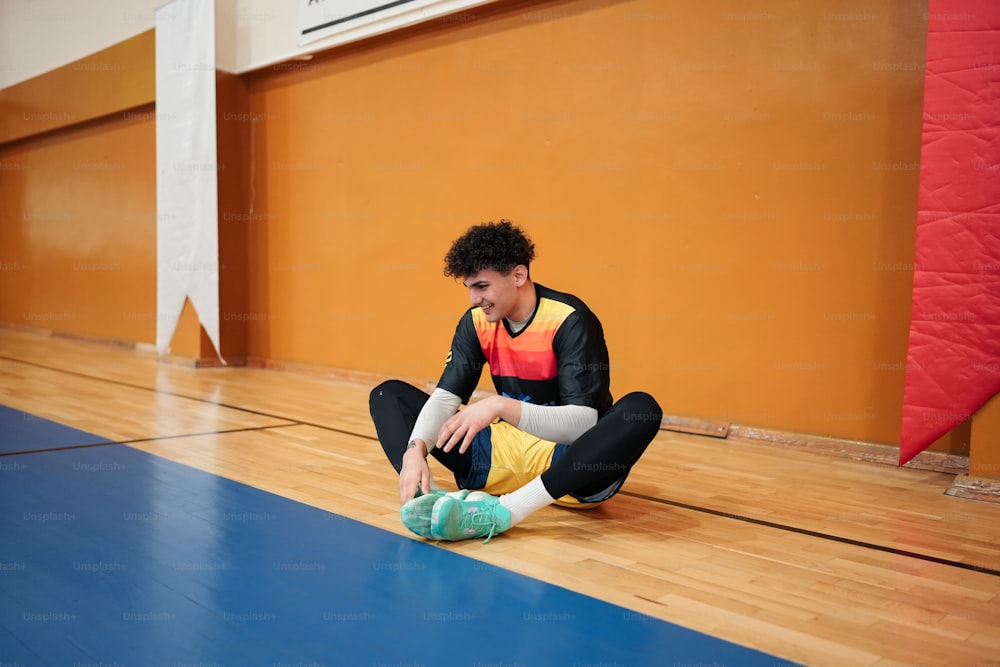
{"x": 528, "y": 499}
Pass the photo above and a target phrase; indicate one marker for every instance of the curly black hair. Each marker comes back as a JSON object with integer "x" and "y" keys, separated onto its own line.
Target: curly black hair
{"x": 491, "y": 245}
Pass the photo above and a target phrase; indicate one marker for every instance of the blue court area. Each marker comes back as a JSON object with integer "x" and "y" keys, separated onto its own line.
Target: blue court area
{"x": 112, "y": 556}
{"x": 25, "y": 432}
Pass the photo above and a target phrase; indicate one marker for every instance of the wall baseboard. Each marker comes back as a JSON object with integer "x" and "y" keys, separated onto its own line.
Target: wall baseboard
{"x": 853, "y": 449}
{"x": 711, "y": 427}
{"x": 204, "y": 362}
{"x": 975, "y": 488}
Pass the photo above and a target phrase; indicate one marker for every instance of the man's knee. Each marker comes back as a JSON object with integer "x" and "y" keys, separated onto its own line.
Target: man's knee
{"x": 388, "y": 389}
{"x": 640, "y": 411}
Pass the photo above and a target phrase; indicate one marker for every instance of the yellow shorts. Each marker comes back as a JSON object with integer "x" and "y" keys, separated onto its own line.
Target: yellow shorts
{"x": 505, "y": 458}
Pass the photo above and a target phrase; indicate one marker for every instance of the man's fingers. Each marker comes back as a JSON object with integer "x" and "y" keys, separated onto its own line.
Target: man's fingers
{"x": 409, "y": 481}
{"x": 407, "y": 490}
{"x": 466, "y": 442}
{"x": 449, "y": 441}
{"x": 443, "y": 437}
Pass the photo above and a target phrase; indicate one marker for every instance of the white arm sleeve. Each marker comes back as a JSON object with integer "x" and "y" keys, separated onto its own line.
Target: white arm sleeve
{"x": 557, "y": 423}
{"x": 439, "y": 407}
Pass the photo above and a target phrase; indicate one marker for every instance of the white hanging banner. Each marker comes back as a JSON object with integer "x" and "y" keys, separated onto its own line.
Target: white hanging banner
{"x": 187, "y": 227}
{"x": 350, "y": 20}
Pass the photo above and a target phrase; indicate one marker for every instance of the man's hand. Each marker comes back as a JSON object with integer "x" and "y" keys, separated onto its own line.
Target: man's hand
{"x": 462, "y": 427}
{"x": 414, "y": 473}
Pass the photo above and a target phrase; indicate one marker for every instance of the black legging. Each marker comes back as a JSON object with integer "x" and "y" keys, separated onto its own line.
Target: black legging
{"x": 597, "y": 459}
{"x": 394, "y": 406}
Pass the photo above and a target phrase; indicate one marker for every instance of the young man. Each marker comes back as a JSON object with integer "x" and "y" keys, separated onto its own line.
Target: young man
{"x": 551, "y": 434}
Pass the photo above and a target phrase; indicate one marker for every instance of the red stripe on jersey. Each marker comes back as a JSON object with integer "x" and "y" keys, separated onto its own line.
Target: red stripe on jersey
{"x": 529, "y": 355}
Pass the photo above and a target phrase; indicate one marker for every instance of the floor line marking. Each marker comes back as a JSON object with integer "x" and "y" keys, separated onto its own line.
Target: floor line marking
{"x": 150, "y": 439}
{"x": 189, "y": 398}
{"x": 813, "y": 533}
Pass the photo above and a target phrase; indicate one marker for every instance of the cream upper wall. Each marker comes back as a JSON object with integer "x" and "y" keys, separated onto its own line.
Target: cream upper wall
{"x": 266, "y": 34}
{"x": 36, "y": 36}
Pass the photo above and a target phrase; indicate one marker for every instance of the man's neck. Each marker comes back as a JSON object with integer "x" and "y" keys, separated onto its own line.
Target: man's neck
{"x": 527, "y": 300}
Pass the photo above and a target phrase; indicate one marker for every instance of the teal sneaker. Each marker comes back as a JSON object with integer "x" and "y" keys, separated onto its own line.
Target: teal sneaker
{"x": 416, "y": 513}
{"x": 477, "y": 515}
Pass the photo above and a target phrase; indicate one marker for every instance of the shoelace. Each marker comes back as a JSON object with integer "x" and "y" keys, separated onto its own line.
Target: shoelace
{"x": 483, "y": 517}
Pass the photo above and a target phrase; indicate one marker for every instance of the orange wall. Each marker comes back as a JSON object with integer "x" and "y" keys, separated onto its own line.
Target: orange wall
{"x": 732, "y": 189}
{"x": 78, "y": 197}
{"x": 78, "y": 230}
{"x": 984, "y": 455}
{"x": 78, "y": 203}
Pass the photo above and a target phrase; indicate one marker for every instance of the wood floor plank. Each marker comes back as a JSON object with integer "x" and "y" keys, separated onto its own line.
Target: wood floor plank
{"x": 116, "y": 412}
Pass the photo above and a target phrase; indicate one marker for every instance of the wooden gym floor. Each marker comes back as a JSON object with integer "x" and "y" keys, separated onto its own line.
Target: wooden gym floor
{"x": 812, "y": 559}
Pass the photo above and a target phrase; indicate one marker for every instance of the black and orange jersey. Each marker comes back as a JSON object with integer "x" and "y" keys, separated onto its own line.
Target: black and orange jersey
{"x": 558, "y": 358}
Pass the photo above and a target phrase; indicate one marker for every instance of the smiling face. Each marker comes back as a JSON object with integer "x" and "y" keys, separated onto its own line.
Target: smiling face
{"x": 501, "y": 295}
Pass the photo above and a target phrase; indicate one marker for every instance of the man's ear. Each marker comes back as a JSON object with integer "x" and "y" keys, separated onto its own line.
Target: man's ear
{"x": 520, "y": 274}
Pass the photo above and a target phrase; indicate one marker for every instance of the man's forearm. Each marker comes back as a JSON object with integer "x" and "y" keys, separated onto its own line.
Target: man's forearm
{"x": 556, "y": 423}
{"x": 441, "y": 405}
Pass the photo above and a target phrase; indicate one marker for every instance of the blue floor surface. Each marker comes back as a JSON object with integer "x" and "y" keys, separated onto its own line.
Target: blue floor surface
{"x": 25, "y": 432}
{"x": 112, "y": 556}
